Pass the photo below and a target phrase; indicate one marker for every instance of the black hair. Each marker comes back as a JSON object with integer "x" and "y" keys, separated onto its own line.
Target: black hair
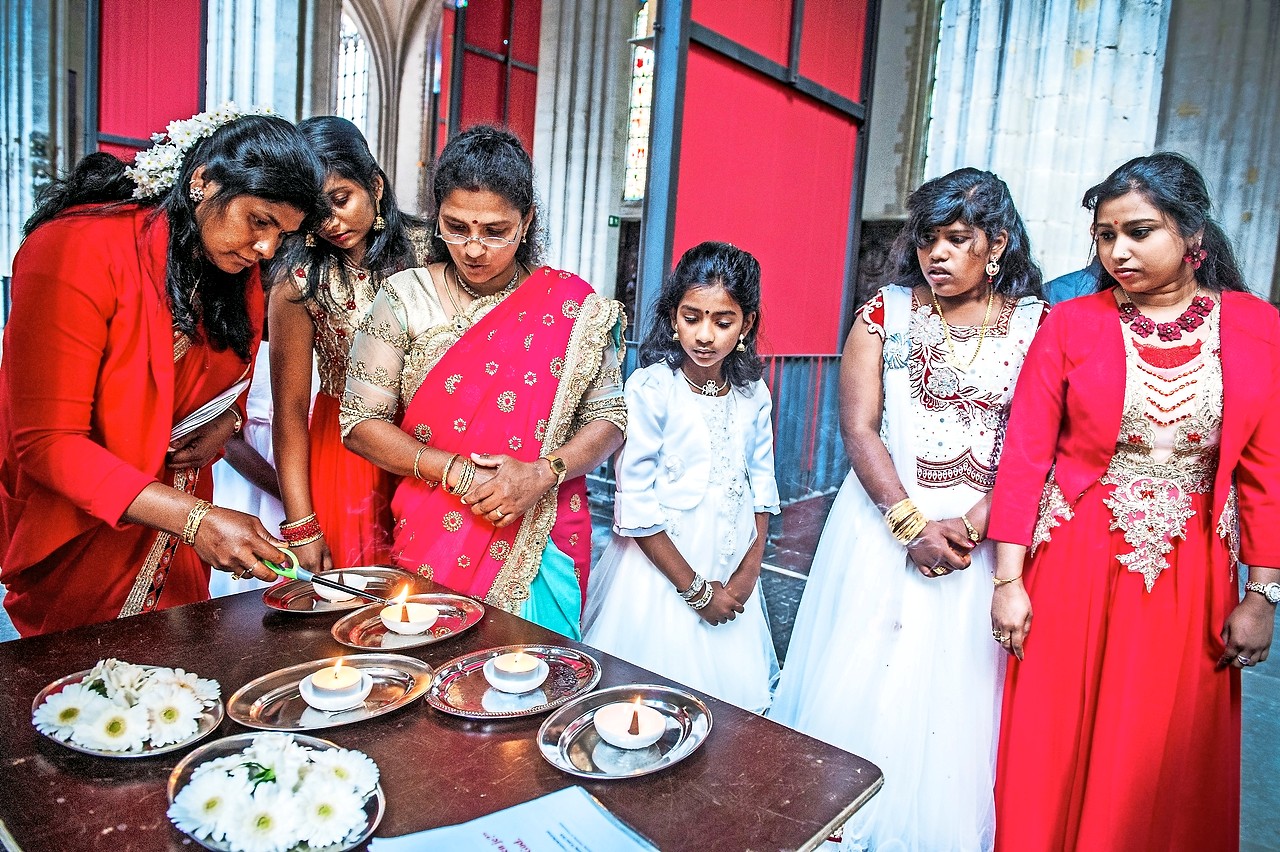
{"x": 257, "y": 155}
{"x": 707, "y": 265}
{"x": 981, "y": 200}
{"x": 343, "y": 151}
{"x": 1173, "y": 185}
{"x": 488, "y": 158}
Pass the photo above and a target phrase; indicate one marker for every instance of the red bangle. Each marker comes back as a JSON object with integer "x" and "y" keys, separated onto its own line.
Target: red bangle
{"x": 302, "y": 531}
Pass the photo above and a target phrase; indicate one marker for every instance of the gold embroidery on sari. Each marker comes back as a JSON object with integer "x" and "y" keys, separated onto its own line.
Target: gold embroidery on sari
{"x": 1054, "y": 509}
{"x": 1229, "y": 527}
{"x": 148, "y": 585}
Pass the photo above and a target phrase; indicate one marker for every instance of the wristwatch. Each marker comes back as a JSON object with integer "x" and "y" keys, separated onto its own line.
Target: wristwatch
{"x": 558, "y": 467}
{"x": 1270, "y": 591}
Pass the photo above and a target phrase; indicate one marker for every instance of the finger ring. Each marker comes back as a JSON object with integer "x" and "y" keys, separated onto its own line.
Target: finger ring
{"x": 999, "y": 635}
{"x": 1244, "y": 661}
{"x": 939, "y": 571}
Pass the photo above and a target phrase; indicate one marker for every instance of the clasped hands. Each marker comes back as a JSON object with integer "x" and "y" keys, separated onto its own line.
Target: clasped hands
{"x": 942, "y": 547}
{"x": 505, "y": 487}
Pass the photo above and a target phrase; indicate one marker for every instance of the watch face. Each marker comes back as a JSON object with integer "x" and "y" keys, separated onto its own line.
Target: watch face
{"x": 1272, "y": 591}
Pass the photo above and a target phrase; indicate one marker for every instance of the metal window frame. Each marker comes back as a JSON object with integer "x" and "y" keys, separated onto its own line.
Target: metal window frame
{"x": 461, "y": 48}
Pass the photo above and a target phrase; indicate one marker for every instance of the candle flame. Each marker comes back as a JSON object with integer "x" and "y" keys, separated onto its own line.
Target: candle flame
{"x": 337, "y": 668}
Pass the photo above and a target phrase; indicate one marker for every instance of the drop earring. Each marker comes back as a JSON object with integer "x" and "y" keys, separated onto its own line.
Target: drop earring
{"x": 993, "y": 269}
{"x": 741, "y": 347}
{"x": 675, "y": 335}
{"x": 379, "y": 224}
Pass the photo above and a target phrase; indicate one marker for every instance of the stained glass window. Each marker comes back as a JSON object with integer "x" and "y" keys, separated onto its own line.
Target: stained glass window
{"x": 353, "y": 76}
{"x": 639, "y": 110}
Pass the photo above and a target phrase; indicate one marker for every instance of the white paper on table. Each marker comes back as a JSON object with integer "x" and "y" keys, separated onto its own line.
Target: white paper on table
{"x": 568, "y": 819}
{"x": 211, "y": 409}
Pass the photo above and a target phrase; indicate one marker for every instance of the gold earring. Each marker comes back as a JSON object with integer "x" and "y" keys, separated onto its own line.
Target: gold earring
{"x": 741, "y": 347}
{"x": 675, "y": 335}
{"x": 379, "y": 224}
{"x": 993, "y": 269}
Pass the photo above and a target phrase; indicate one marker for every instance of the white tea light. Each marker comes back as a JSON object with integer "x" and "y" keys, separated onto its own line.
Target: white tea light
{"x": 516, "y": 672}
{"x": 335, "y": 687}
{"x": 355, "y": 581}
{"x": 409, "y": 618}
{"x": 629, "y": 724}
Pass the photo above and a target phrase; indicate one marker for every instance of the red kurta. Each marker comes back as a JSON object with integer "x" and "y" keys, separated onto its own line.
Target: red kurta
{"x": 1118, "y": 732}
{"x": 89, "y": 393}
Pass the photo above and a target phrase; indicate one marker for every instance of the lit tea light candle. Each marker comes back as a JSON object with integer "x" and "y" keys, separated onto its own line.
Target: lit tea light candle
{"x": 516, "y": 672}
{"x": 355, "y": 581}
{"x": 335, "y": 687}
{"x": 408, "y": 617}
{"x": 629, "y": 724}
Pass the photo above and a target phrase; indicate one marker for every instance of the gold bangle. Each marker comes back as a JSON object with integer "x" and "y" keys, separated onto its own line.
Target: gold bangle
{"x": 444, "y": 476}
{"x": 417, "y": 457}
{"x": 999, "y": 582}
{"x": 196, "y": 515}
{"x": 973, "y": 532}
{"x": 301, "y": 522}
{"x": 910, "y": 529}
{"x": 465, "y": 478}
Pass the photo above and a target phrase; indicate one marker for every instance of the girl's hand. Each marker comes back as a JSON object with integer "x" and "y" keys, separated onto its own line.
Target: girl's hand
{"x": 236, "y": 542}
{"x": 722, "y": 607}
{"x": 942, "y": 547}
{"x": 314, "y": 556}
{"x": 505, "y": 488}
{"x": 1011, "y": 616}
{"x": 1247, "y": 633}
{"x": 203, "y": 445}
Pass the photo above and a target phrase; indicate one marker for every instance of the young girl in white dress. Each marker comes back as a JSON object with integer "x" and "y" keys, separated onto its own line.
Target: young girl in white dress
{"x": 677, "y": 590}
{"x": 892, "y": 655}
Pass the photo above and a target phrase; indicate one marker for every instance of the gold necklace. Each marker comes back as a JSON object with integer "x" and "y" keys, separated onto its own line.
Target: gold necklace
{"x": 461, "y": 322}
{"x": 946, "y": 331}
{"x": 475, "y": 294}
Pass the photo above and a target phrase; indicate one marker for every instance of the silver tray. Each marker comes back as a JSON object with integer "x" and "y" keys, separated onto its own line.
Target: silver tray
{"x": 364, "y": 629}
{"x": 299, "y": 596}
{"x": 374, "y": 806}
{"x": 459, "y": 687}
{"x": 205, "y": 725}
{"x": 569, "y": 742}
{"x": 273, "y": 702}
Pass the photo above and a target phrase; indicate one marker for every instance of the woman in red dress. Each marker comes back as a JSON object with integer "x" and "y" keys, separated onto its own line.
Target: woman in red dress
{"x": 1143, "y": 427}
{"x": 337, "y": 504}
{"x": 129, "y": 316}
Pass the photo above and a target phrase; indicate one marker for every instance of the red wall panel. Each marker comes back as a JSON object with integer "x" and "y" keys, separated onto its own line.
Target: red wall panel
{"x": 482, "y": 89}
{"x": 487, "y": 24}
{"x": 149, "y": 66}
{"x": 831, "y": 45}
{"x": 772, "y": 172}
{"x": 528, "y": 26}
{"x": 523, "y": 105}
{"x": 762, "y": 25}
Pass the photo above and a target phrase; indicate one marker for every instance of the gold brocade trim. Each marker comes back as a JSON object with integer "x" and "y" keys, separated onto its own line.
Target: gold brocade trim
{"x": 183, "y": 480}
{"x": 181, "y": 346}
{"x": 1229, "y": 527}
{"x": 591, "y": 331}
{"x": 1054, "y": 509}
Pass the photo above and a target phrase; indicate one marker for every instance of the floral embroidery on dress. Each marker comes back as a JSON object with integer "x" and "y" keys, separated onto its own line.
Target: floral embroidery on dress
{"x": 1054, "y": 509}
{"x": 728, "y": 471}
{"x": 507, "y": 401}
{"x": 872, "y": 313}
{"x": 575, "y": 503}
{"x": 515, "y": 443}
{"x": 452, "y": 521}
{"x": 500, "y": 550}
{"x": 530, "y": 378}
{"x": 451, "y": 383}
{"x": 423, "y": 433}
{"x": 896, "y": 350}
{"x": 1229, "y": 527}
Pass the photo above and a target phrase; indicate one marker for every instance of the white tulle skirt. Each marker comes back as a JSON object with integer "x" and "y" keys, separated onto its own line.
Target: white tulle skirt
{"x": 902, "y": 670}
{"x": 634, "y": 612}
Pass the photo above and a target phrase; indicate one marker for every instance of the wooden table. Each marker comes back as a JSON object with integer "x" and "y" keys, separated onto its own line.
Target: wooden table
{"x": 753, "y": 785}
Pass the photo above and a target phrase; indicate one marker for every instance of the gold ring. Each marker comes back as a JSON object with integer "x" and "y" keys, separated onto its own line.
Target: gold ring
{"x": 939, "y": 571}
{"x": 998, "y": 635}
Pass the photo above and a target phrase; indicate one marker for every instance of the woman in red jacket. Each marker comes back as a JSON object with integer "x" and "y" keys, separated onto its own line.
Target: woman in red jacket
{"x": 1143, "y": 427}
{"x": 132, "y": 325}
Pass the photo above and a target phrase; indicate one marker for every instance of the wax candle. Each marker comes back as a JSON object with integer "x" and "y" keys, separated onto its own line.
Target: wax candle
{"x": 335, "y": 680}
{"x": 516, "y": 672}
{"x": 355, "y": 581}
{"x": 629, "y": 724}
{"x": 409, "y": 618}
{"x": 335, "y": 687}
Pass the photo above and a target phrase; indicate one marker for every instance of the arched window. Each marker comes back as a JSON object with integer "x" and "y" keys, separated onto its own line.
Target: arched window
{"x": 353, "y": 76}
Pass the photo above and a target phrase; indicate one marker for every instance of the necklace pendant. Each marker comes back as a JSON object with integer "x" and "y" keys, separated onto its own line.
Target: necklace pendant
{"x": 710, "y": 388}
{"x": 460, "y": 324}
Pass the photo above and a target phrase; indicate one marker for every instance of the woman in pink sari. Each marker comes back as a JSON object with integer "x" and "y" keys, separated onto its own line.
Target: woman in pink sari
{"x": 492, "y": 386}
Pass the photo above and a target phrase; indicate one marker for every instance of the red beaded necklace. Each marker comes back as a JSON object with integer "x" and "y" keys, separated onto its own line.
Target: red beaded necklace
{"x": 1190, "y": 319}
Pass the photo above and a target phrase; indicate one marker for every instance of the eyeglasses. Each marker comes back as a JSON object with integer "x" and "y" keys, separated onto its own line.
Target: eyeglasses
{"x": 486, "y": 241}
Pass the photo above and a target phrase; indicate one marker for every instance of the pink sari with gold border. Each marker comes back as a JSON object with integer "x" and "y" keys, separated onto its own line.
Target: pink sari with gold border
{"x": 510, "y": 385}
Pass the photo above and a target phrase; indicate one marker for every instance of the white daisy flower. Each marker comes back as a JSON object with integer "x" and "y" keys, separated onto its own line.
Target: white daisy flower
{"x": 281, "y": 754}
{"x": 174, "y": 712}
{"x": 208, "y": 803}
{"x": 76, "y": 704}
{"x": 232, "y": 764}
{"x": 115, "y": 729}
{"x": 348, "y": 766}
{"x": 328, "y": 811}
{"x": 122, "y": 681}
{"x": 267, "y": 822}
{"x": 204, "y": 689}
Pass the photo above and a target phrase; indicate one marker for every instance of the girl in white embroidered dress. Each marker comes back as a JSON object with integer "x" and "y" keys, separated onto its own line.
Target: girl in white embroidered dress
{"x": 891, "y": 657}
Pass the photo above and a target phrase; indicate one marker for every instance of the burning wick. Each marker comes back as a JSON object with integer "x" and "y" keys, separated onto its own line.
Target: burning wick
{"x": 634, "y": 730}
{"x": 404, "y": 612}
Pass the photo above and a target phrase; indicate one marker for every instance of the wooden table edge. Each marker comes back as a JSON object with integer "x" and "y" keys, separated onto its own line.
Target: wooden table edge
{"x": 841, "y": 818}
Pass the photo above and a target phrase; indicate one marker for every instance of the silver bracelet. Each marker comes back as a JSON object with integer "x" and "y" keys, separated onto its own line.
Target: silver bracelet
{"x": 695, "y": 588}
{"x": 705, "y": 598}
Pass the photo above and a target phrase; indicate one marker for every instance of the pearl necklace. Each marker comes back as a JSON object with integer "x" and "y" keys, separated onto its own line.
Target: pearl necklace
{"x": 710, "y": 388}
{"x": 982, "y": 331}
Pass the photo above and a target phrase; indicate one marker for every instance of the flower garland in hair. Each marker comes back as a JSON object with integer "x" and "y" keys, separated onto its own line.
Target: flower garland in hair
{"x": 156, "y": 169}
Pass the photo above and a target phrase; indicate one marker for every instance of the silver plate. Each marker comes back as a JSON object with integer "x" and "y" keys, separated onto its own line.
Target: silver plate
{"x": 364, "y": 628}
{"x": 460, "y": 688}
{"x": 569, "y": 742}
{"x": 374, "y": 806}
{"x": 299, "y": 596}
{"x": 205, "y": 725}
{"x": 273, "y": 702}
